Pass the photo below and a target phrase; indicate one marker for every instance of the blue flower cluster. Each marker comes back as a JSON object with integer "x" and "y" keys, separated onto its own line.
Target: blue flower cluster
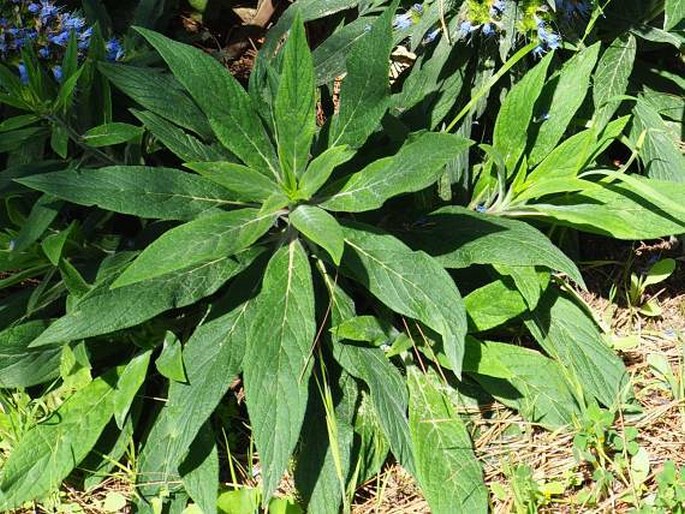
{"x": 488, "y": 23}
{"x": 411, "y": 17}
{"x": 549, "y": 40}
{"x": 47, "y": 28}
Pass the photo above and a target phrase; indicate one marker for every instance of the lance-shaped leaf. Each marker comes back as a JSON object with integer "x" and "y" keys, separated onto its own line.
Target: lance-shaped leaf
{"x": 104, "y": 310}
{"x": 321, "y": 228}
{"x": 493, "y": 305}
{"x": 226, "y": 104}
{"x": 620, "y": 209}
{"x": 158, "y": 92}
{"x": 416, "y": 166}
{"x": 515, "y": 114}
{"x": 388, "y": 394}
{"x": 364, "y": 96}
{"x": 447, "y": 470}
{"x": 611, "y": 78}
{"x": 21, "y": 366}
{"x": 320, "y": 168}
{"x": 277, "y": 362}
{"x": 213, "y": 356}
{"x": 181, "y": 143}
{"x": 48, "y": 452}
{"x": 294, "y": 113}
{"x": 410, "y": 283}
{"x": 244, "y": 183}
{"x": 199, "y": 241}
{"x": 523, "y": 379}
{"x": 458, "y": 238}
{"x": 163, "y": 193}
{"x": 569, "y": 335}
{"x": 562, "y": 98}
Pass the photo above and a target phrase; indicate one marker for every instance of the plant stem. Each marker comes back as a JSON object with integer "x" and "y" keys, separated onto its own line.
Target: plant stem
{"x": 493, "y": 80}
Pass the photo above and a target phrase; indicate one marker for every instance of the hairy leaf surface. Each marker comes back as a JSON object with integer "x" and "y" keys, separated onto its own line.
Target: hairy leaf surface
{"x": 277, "y": 362}
{"x": 226, "y": 104}
{"x": 416, "y": 166}
{"x": 148, "y": 192}
{"x": 411, "y": 283}
{"x": 104, "y": 310}
{"x": 200, "y": 241}
{"x": 450, "y": 476}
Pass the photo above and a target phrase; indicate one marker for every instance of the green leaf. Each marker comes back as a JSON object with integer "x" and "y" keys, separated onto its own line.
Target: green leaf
{"x": 511, "y": 127}
{"x": 525, "y": 380}
{"x": 674, "y": 14}
{"x": 48, "y": 452}
{"x": 148, "y": 192}
{"x": 17, "y": 122}
{"x": 226, "y": 104}
{"x": 321, "y": 228}
{"x": 458, "y": 238}
{"x": 277, "y": 362}
{"x": 320, "y": 169}
{"x": 21, "y": 366}
{"x": 43, "y": 213}
{"x": 493, "y": 305}
{"x": 660, "y": 154}
{"x": 53, "y": 246}
{"x": 329, "y": 56}
{"x": 158, "y": 92}
{"x": 568, "y": 93}
{"x": 104, "y": 310}
{"x": 245, "y": 183}
{"x": 324, "y": 453}
{"x": 111, "y": 134}
{"x": 294, "y": 110}
{"x": 364, "y": 97}
{"x": 128, "y": 385}
{"x": 447, "y": 470}
{"x": 659, "y": 272}
{"x": 200, "y": 470}
{"x": 611, "y": 78}
{"x": 179, "y": 142}
{"x": 364, "y": 328}
{"x": 206, "y": 239}
{"x": 410, "y": 283}
{"x": 416, "y": 166}
{"x": 569, "y": 335}
{"x": 388, "y": 394}
{"x": 213, "y": 356}
{"x": 242, "y": 500}
{"x": 170, "y": 361}
{"x": 529, "y": 281}
{"x": 616, "y": 210}
{"x": 566, "y": 160}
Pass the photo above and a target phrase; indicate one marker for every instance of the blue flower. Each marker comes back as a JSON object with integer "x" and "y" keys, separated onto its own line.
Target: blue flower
{"x": 72, "y": 22}
{"x": 60, "y": 39}
{"x": 497, "y": 8}
{"x": 488, "y": 29}
{"x": 115, "y": 51}
{"x": 44, "y": 52}
{"x": 465, "y": 29}
{"x": 431, "y": 36}
{"x": 48, "y": 11}
{"x": 403, "y": 21}
{"x": 481, "y": 208}
{"x": 33, "y": 8}
{"x": 23, "y": 73}
{"x": 57, "y": 73}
